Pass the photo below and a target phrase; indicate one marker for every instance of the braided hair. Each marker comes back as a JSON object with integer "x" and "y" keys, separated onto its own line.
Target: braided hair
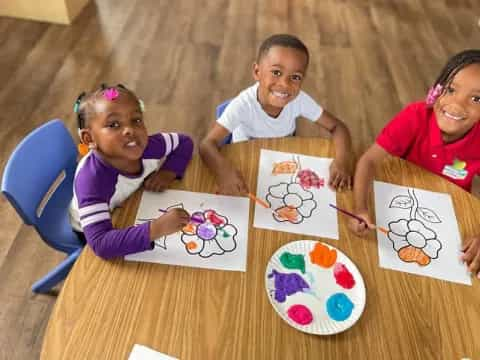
{"x": 84, "y": 105}
{"x": 455, "y": 64}
{"x": 284, "y": 40}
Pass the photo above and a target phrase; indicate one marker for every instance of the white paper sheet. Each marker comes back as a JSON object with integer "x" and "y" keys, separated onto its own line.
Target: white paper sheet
{"x": 141, "y": 352}
{"x": 281, "y": 184}
{"x": 213, "y": 240}
{"x": 423, "y": 235}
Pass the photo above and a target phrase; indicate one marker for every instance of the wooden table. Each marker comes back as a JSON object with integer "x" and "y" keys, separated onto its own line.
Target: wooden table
{"x": 107, "y": 306}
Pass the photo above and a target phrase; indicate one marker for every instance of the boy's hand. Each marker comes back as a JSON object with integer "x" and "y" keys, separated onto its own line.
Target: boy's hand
{"x": 159, "y": 180}
{"x": 340, "y": 175}
{"x": 232, "y": 183}
{"x": 471, "y": 255}
{"x": 170, "y": 222}
{"x": 361, "y": 228}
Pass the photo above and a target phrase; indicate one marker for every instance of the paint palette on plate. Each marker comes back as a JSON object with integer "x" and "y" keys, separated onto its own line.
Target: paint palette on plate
{"x": 315, "y": 287}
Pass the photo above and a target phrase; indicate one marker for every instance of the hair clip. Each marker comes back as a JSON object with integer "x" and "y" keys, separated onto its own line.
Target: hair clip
{"x": 110, "y": 94}
{"x": 76, "y": 105}
{"x": 433, "y": 93}
{"x": 142, "y": 105}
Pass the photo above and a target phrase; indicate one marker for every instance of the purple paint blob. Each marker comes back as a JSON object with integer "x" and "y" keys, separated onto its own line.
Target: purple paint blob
{"x": 197, "y": 218}
{"x": 206, "y": 231}
{"x": 339, "y": 307}
{"x": 287, "y": 284}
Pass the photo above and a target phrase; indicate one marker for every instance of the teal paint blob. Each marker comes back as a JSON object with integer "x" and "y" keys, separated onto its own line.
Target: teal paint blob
{"x": 293, "y": 261}
{"x": 339, "y": 307}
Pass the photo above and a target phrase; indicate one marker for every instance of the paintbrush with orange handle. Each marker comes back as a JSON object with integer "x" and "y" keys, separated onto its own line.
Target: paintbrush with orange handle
{"x": 380, "y": 228}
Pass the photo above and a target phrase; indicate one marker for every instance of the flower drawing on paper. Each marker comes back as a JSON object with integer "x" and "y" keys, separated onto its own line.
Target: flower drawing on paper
{"x": 290, "y": 202}
{"x": 209, "y": 233}
{"x": 412, "y": 240}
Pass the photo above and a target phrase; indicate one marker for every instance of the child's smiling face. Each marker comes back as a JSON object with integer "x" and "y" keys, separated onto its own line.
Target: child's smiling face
{"x": 118, "y": 131}
{"x": 458, "y": 109}
{"x": 280, "y": 74}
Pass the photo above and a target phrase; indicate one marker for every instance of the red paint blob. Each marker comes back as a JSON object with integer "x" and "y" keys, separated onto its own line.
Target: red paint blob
{"x": 300, "y": 314}
{"x": 343, "y": 277}
{"x": 214, "y": 219}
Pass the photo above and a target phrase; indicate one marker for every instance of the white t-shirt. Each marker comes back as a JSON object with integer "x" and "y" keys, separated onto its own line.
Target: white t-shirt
{"x": 245, "y": 118}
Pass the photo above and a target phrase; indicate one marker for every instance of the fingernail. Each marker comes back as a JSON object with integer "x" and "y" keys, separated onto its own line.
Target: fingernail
{"x": 478, "y": 275}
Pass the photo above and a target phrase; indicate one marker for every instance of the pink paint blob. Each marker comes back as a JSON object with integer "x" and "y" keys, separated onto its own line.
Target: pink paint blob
{"x": 343, "y": 277}
{"x": 300, "y": 314}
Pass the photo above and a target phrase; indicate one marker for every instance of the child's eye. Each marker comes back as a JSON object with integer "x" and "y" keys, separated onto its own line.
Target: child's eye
{"x": 296, "y": 77}
{"x": 450, "y": 90}
{"x": 476, "y": 99}
{"x": 276, "y": 73}
{"x": 113, "y": 124}
{"x": 138, "y": 121}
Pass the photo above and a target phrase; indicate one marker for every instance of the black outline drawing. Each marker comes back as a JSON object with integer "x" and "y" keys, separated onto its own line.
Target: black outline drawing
{"x": 221, "y": 228}
{"x": 418, "y": 214}
{"x": 280, "y": 219}
{"x": 293, "y": 180}
{"x": 162, "y": 242}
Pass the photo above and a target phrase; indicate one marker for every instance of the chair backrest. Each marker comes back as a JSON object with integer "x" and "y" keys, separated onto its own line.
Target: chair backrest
{"x": 38, "y": 182}
{"x": 218, "y": 112}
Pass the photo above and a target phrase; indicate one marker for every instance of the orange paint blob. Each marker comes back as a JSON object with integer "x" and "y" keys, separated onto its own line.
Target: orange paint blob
{"x": 285, "y": 167}
{"x": 413, "y": 254}
{"x": 191, "y": 245}
{"x": 288, "y": 213}
{"x": 323, "y": 256}
{"x": 189, "y": 229}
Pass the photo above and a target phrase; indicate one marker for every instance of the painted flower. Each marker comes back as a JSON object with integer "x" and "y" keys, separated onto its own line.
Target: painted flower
{"x": 290, "y": 202}
{"x": 208, "y": 233}
{"x": 413, "y": 241}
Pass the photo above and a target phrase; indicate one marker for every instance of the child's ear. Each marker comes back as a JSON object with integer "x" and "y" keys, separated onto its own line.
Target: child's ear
{"x": 255, "y": 71}
{"x": 85, "y": 137}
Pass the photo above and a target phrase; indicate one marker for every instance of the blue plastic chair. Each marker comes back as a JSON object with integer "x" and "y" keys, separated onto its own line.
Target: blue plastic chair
{"x": 38, "y": 182}
{"x": 218, "y": 112}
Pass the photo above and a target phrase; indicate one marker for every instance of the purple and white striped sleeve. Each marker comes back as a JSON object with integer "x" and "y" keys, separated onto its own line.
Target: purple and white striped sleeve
{"x": 177, "y": 148}
{"x": 94, "y": 188}
{"x": 106, "y": 241}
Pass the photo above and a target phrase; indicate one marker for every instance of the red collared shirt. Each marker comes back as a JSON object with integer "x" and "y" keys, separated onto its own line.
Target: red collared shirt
{"x": 413, "y": 134}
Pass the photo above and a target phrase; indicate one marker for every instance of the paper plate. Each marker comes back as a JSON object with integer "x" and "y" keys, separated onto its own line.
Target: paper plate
{"x": 327, "y": 298}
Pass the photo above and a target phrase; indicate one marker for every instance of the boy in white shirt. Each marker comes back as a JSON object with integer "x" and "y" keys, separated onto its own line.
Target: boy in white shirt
{"x": 269, "y": 109}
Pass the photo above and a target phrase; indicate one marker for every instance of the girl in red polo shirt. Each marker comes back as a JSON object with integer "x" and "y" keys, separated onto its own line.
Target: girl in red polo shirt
{"x": 441, "y": 134}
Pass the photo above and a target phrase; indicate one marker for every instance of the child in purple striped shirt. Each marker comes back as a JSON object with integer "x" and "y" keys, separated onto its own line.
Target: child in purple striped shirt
{"x": 121, "y": 157}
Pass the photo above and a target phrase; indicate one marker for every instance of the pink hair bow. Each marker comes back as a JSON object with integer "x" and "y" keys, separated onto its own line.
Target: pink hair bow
{"x": 110, "y": 94}
{"x": 433, "y": 93}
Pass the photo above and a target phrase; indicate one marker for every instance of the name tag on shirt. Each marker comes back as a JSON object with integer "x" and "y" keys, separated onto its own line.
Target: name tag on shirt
{"x": 456, "y": 170}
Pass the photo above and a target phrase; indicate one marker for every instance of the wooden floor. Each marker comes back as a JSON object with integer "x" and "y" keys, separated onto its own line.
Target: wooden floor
{"x": 368, "y": 59}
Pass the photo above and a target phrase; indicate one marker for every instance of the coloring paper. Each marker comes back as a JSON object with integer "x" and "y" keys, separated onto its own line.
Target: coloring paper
{"x": 423, "y": 236}
{"x": 296, "y": 188}
{"x": 215, "y": 238}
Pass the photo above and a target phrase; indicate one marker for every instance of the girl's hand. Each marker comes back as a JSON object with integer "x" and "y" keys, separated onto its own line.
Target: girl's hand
{"x": 232, "y": 183}
{"x": 471, "y": 255}
{"x": 361, "y": 228}
{"x": 159, "y": 180}
{"x": 340, "y": 175}
{"x": 170, "y": 222}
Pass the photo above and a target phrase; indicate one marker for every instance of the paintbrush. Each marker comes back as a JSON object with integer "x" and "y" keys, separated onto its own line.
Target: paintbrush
{"x": 380, "y": 228}
{"x": 193, "y": 217}
{"x": 263, "y": 204}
